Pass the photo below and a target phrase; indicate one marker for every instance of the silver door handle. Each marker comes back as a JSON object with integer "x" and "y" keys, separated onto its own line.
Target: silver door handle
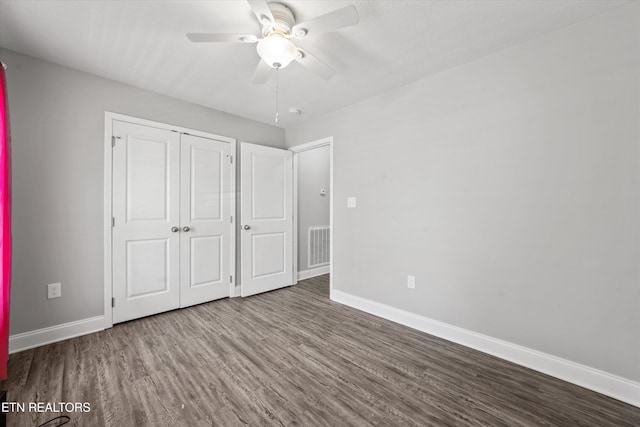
{"x": 185, "y": 229}
{"x": 247, "y": 227}
{"x": 174, "y": 229}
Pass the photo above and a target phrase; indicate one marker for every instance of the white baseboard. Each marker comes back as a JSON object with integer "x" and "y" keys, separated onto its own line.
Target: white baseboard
{"x": 31, "y": 339}
{"x": 602, "y": 382}
{"x": 313, "y": 272}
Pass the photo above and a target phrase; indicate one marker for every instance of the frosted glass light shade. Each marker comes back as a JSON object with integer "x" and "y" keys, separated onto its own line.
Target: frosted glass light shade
{"x": 276, "y": 51}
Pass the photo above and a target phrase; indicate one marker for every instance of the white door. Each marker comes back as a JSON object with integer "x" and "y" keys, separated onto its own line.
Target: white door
{"x": 205, "y": 213}
{"x": 146, "y": 205}
{"x": 266, "y": 218}
{"x": 172, "y": 201}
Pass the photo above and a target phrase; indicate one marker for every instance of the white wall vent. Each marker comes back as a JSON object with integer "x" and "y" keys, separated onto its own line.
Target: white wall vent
{"x": 318, "y": 246}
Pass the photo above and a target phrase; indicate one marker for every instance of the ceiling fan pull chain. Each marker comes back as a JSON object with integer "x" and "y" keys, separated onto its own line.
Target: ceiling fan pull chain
{"x": 277, "y": 84}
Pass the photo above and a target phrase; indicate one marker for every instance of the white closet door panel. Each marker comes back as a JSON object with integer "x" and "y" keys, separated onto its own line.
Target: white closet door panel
{"x": 146, "y": 164}
{"x": 206, "y": 213}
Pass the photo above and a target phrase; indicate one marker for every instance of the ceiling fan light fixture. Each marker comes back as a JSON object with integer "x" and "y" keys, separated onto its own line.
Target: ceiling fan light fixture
{"x": 277, "y": 51}
{"x": 300, "y": 33}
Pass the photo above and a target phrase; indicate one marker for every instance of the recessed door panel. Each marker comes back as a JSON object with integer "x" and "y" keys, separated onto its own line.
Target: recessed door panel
{"x": 147, "y": 267}
{"x": 266, "y": 218}
{"x": 206, "y": 260}
{"x": 268, "y": 176}
{"x": 147, "y": 178}
{"x": 206, "y": 183}
{"x": 268, "y": 254}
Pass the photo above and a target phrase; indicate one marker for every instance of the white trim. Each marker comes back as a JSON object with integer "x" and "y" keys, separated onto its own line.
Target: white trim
{"x": 296, "y": 276}
{"x": 39, "y": 337}
{"x": 311, "y": 145}
{"x": 167, "y": 126}
{"x": 109, "y": 117}
{"x": 107, "y": 206}
{"x": 232, "y": 225}
{"x": 331, "y": 205}
{"x": 599, "y": 381}
{"x": 313, "y": 272}
{"x": 297, "y": 149}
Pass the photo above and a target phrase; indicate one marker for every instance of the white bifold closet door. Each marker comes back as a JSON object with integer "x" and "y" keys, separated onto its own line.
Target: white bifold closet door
{"x": 205, "y": 214}
{"x": 172, "y": 210}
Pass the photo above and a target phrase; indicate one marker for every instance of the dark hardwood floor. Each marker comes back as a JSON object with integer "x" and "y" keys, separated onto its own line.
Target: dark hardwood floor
{"x": 290, "y": 357}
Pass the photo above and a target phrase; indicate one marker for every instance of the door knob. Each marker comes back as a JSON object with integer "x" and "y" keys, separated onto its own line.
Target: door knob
{"x": 247, "y": 227}
{"x": 185, "y": 229}
{"x": 174, "y": 229}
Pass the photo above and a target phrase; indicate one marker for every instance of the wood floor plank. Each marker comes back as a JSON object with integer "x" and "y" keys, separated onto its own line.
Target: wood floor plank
{"x": 286, "y": 358}
{"x": 18, "y": 365}
{"x": 119, "y": 397}
{"x": 80, "y": 381}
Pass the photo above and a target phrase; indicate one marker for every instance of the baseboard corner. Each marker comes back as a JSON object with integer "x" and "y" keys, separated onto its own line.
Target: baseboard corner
{"x": 605, "y": 383}
{"x": 51, "y": 334}
{"x": 313, "y": 272}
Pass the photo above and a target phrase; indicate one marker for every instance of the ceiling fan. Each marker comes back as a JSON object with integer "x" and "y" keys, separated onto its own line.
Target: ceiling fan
{"x": 279, "y": 28}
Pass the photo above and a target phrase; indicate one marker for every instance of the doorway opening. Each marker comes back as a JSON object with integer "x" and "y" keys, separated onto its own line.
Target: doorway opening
{"x": 313, "y": 207}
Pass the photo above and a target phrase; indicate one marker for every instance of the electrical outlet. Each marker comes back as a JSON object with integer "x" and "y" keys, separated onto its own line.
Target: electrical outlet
{"x": 411, "y": 282}
{"x": 351, "y": 202}
{"x": 54, "y": 290}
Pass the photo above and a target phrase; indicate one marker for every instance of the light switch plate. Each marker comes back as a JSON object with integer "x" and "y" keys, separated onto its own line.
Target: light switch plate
{"x": 351, "y": 202}
{"x": 411, "y": 282}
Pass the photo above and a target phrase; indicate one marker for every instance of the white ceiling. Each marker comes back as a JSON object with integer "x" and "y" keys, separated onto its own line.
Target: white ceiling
{"x": 143, "y": 43}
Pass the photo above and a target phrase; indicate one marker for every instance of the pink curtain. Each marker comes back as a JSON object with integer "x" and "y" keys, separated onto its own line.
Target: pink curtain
{"x": 5, "y": 225}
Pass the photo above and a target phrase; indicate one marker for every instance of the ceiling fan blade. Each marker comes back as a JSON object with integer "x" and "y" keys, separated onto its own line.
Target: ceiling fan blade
{"x": 225, "y": 38}
{"x": 339, "y": 18}
{"x": 261, "y": 74}
{"x": 262, "y": 11}
{"x": 315, "y": 65}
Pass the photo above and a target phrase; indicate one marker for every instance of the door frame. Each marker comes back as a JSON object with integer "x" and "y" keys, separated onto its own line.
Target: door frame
{"x": 109, "y": 117}
{"x": 297, "y": 149}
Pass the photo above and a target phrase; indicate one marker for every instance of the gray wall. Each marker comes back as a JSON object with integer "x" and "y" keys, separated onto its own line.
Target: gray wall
{"x": 313, "y": 208}
{"x": 510, "y": 187}
{"x": 57, "y": 127}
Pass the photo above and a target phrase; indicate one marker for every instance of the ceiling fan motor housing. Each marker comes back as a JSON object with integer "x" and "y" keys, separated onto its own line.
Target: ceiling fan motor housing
{"x": 284, "y": 20}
